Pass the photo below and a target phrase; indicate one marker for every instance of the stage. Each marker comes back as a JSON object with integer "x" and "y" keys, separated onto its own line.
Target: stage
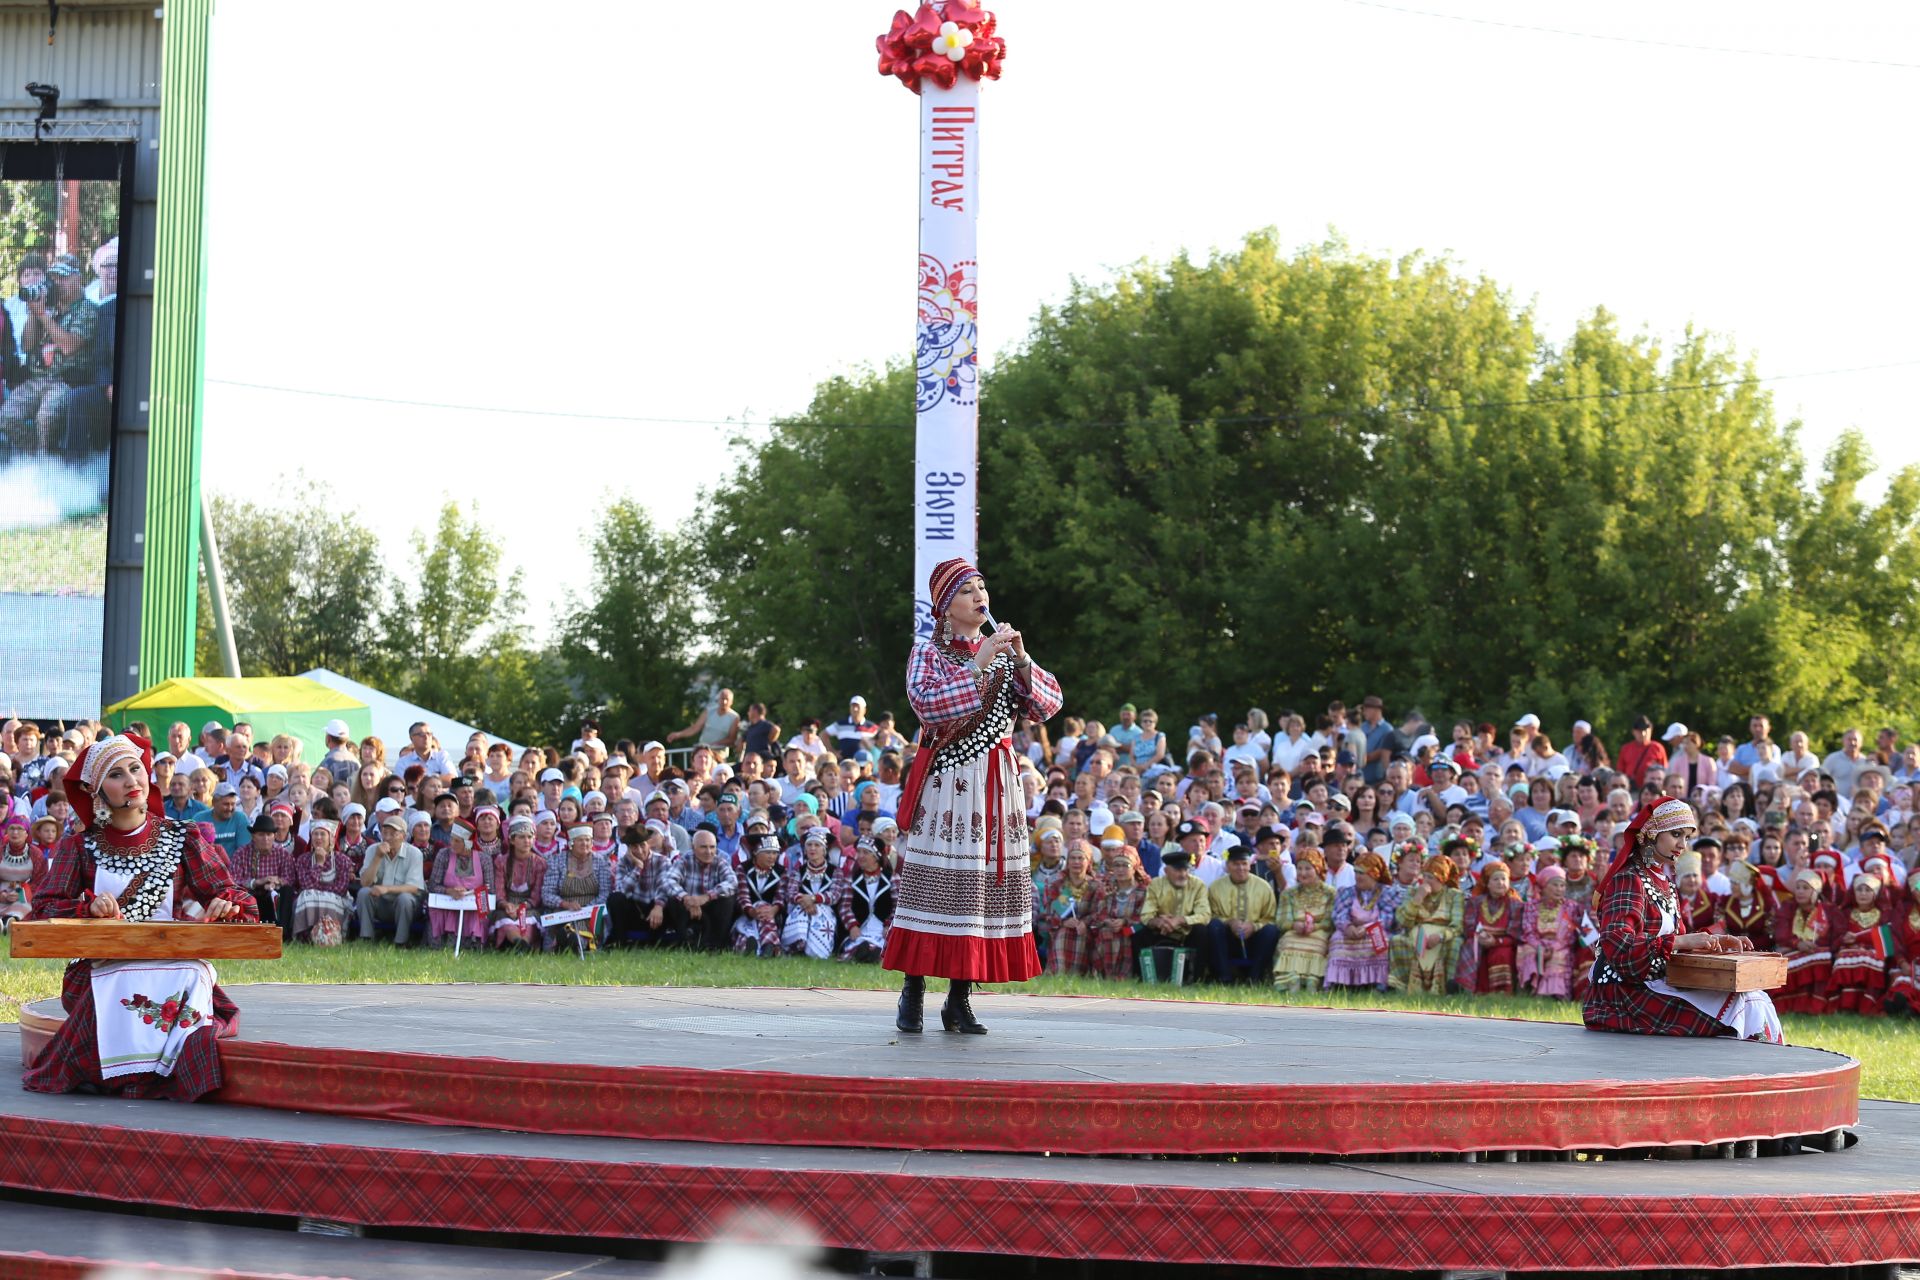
{"x": 1166, "y": 1077}
{"x": 1365, "y": 1139}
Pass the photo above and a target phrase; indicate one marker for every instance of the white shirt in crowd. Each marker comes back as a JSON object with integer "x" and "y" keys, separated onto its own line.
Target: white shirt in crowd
{"x": 435, "y": 762}
{"x": 1289, "y": 752}
{"x": 1844, "y": 770}
{"x": 1248, "y": 751}
{"x": 1795, "y": 763}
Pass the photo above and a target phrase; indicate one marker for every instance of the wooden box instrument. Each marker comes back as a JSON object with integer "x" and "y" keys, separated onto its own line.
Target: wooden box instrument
{"x": 88, "y": 939}
{"x": 1728, "y": 971}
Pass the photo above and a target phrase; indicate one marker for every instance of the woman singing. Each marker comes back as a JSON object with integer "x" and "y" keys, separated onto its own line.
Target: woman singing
{"x": 1638, "y": 914}
{"x": 964, "y": 898}
{"x": 142, "y": 1028}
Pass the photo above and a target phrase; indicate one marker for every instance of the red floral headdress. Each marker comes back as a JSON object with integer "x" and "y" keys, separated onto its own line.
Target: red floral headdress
{"x": 940, "y": 41}
{"x": 1654, "y": 817}
{"x": 80, "y": 795}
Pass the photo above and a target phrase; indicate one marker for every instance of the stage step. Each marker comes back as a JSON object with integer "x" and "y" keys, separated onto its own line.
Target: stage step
{"x": 1856, "y": 1206}
{"x": 1110, "y": 1077}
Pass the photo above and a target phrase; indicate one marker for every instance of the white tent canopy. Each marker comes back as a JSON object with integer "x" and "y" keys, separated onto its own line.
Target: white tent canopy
{"x": 394, "y": 717}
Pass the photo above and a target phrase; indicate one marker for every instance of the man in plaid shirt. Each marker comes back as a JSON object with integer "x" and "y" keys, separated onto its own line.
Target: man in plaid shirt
{"x": 700, "y": 895}
{"x": 637, "y": 906}
{"x": 265, "y": 867}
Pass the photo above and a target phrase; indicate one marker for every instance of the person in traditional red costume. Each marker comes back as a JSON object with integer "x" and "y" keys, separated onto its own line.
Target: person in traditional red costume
{"x": 1802, "y": 929}
{"x": 1699, "y": 910}
{"x": 963, "y": 896}
{"x": 1638, "y": 915}
{"x": 1863, "y": 948}
{"x": 1833, "y": 879}
{"x": 1748, "y": 910}
{"x": 1903, "y": 993}
{"x": 139, "y": 1028}
{"x": 1492, "y": 924}
{"x": 1553, "y": 960}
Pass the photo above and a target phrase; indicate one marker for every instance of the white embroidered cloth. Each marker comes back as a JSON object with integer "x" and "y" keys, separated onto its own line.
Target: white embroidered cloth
{"x": 144, "y": 1010}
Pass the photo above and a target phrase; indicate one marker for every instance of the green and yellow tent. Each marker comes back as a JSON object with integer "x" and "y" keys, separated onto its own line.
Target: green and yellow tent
{"x": 293, "y": 705}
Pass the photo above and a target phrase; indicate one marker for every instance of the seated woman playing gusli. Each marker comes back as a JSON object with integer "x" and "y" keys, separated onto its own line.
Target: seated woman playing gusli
{"x": 1638, "y": 913}
{"x": 140, "y": 1028}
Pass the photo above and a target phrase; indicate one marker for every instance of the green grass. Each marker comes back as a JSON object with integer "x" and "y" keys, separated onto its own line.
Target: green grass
{"x": 1888, "y": 1048}
{"x": 65, "y": 559}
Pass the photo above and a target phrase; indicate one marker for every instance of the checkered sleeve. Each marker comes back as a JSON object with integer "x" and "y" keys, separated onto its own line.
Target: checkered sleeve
{"x": 57, "y": 890}
{"x": 1040, "y": 696}
{"x": 791, "y": 890}
{"x": 940, "y": 689}
{"x": 843, "y": 897}
{"x": 1636, "y": 951}
{"x": 206, "y": 877}
{"x": 550, "y": 887}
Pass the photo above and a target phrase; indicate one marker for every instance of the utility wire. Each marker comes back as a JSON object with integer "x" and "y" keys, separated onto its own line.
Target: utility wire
{"x": 1639, "y": 40}
{"x": 1251, "y": 419}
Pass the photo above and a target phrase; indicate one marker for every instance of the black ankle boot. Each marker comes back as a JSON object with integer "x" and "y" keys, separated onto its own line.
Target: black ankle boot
{"x": 913, "y": 995}
{"x": 957, "y": 1014}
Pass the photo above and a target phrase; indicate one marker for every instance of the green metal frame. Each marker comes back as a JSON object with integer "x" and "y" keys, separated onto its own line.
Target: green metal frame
{"x": 170, "y": 587}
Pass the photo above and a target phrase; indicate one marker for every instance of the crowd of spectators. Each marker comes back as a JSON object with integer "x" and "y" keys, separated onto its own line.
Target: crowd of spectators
{"x": 1360, "y": 853}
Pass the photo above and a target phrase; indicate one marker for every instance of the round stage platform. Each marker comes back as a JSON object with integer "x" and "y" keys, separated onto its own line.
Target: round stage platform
{"x": 1064, "y": 1075}
{"x": 659, "y": 1114}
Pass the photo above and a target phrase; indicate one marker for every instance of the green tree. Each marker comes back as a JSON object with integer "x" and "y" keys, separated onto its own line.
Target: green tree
{"x": 1282, "y": 478}
{"x": 627, "y": 646}
{"x": 305, "y": 588}
{"x": 457, "y": 639}
{"x": 1841, "y": 643}
{"x": 806, "y": 554}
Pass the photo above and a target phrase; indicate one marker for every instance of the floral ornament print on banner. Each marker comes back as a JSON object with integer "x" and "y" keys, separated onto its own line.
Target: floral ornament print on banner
{"x": 172, "y": 1012}
{"x": 941, "y": 42}
{"x": 946, "y": 347}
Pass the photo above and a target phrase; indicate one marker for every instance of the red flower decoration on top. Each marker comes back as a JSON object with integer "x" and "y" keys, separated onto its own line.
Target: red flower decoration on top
{"x": 939, "y": 42}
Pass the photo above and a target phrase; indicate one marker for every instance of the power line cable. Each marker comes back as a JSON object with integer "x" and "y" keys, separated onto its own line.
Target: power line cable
{"x": 1639, "y": 40}
{"x": 1253, "y": 419}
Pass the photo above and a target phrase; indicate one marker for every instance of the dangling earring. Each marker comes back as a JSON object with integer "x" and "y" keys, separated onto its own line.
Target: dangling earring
{"x": 946, "y": 630}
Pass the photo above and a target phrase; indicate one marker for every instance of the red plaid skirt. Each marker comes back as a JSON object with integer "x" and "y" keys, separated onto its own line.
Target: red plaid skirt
{"x": 1806, "y": 989}
{"x": 1631, "y": 1007}
{"x": 72, "y": 1058}
{"x": 1067, "y": 950}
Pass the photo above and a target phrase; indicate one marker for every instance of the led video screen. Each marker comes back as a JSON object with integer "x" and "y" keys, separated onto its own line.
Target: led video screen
{"x": 59, "y": 291}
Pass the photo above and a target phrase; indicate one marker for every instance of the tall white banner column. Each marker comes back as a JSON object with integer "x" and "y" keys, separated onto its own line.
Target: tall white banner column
{"x": 942, "y": 51}
{"x": 946, "y": 501}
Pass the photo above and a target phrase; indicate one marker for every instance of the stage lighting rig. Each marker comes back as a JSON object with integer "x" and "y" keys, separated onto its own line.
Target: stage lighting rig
{"x": 49, "y": 96}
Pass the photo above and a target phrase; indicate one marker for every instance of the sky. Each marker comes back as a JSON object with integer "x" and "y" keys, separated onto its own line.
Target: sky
{"x": 632, "y": 225}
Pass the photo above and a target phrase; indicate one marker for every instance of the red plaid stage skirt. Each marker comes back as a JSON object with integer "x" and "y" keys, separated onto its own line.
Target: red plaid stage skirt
{"x": 72, "y": 1058}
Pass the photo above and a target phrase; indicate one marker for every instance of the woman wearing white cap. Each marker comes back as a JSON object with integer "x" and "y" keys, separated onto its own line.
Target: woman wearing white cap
{"x": 323, "y": 877}
{"x": 129, "y": 862}
{"x": 1638, "y": 913}
{"x": 520, "y": 874}
{"x": 574, "y": 880}
{"x": 965, "y": 899}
